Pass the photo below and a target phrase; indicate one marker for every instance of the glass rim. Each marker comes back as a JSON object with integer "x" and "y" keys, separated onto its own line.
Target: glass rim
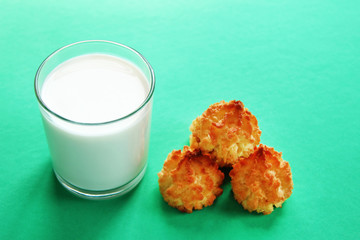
{"x": 147, "y": 99}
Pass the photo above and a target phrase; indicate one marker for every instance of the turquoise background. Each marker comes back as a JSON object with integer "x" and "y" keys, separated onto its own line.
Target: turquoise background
{"x": 294, "y": 64}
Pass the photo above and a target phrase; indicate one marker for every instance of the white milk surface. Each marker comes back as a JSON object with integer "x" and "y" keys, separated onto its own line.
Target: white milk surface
{"x": 97, "y": 88}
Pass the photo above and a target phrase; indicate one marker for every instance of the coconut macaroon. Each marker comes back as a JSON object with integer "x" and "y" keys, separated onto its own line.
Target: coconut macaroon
{"x": 190, "y": 180}
{"x": 227, "y": 131}
{"x": 261, "y": 181}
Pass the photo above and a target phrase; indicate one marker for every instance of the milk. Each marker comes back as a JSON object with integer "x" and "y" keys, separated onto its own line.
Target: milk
{"x": 90, "y": 147}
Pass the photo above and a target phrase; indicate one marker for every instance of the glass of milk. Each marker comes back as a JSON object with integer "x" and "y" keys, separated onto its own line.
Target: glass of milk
{"x": 95, "y": 100}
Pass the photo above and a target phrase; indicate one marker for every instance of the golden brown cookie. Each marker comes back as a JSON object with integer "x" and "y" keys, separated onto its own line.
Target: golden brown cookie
{"x": 227, "y": 131}
{"x": 261, "y": 181}
{"x": 190, "y": 180}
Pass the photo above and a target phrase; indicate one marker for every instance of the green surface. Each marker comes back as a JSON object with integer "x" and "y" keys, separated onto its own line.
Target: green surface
{"x": 295, "y": 65}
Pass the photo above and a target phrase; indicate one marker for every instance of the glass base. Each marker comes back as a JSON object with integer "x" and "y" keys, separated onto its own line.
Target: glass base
{"x": 106, "y": 194}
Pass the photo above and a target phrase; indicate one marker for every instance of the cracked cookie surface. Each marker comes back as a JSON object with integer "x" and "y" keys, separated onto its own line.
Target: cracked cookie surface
{"x": 190, "y": 180}
{"x": 226, "y": 131}
{"x": 262, "y": 181}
